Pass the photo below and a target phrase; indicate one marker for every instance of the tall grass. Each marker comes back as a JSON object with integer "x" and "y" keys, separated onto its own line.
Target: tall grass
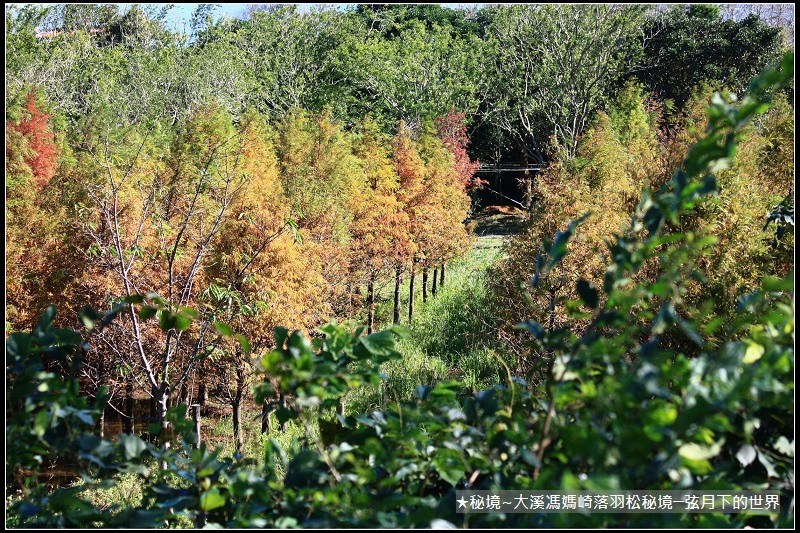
{"x": 452, "y": 335}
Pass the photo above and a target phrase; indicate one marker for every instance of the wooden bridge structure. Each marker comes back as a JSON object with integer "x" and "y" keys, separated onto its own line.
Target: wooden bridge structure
{"x": 486, "y": 171}
{"x": 494, "y": 169}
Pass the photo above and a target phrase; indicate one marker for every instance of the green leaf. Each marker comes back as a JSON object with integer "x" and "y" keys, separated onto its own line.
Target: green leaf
{"x": 753, "y": 352}
{"x": 401, "y": 331}
{"x": 281, "y": 334}
{"x": 182, "y": 322}
{"x": 47, "y": 318}
{"x": 535, "y": 328}
{"x": 244, "y": 343}
{"x": 89, "y": 316}
{"x": 147, "y": 312}
{"x": 223, "y": 329}
{"x": 774, "y": 284}
{"x": 40, "y": 424}
{"x": 85, "y": 417}
{"x": 132, "y": 445}
{"x": 328, "y": 431}
{"x": 211, "y": 500}
{"x": 166, "y": 320}
{"x": 446, "y": 389}
{"x": 698, "y": 452}
{"x": 381, "y": 343}
{"x": 784, "y": 446}
{"x": 189, "y": 312}
{"x": 284, "y": 415}
{"x": 767, "y": 464}
{"x": 449, "y": 466}
{"x": 18, "y": 345}
{"x": 690, "y": 332}
{"x": 271, "y": 360}
{"x": 559, "y": 248}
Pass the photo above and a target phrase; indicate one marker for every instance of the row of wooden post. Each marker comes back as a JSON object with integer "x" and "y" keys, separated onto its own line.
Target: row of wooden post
{"x": 399, "y": 280}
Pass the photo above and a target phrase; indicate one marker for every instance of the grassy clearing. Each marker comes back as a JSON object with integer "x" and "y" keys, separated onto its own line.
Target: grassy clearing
{"x": 451, "y": 335}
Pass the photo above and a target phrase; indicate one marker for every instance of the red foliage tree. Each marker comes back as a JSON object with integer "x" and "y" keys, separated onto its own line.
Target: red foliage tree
{"x": 42, "y": 157}
{"x": 453, "y": 133}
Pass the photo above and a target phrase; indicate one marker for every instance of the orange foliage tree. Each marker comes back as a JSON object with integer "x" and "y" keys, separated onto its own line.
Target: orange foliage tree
{"x": 39, "y": 259}
{"x": 452, "y": 130}
{"x": 31, "y": 141}
{"x": 381, "y": 240}
{"x": 232, "y": 224}
{"x": 156, "y": 212}
{"x": 434, "y": 197}
{"x": 317, "y": 172}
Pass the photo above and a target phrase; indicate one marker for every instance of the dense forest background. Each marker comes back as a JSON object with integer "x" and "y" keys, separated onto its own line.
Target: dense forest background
{"x": 187, "y": 201}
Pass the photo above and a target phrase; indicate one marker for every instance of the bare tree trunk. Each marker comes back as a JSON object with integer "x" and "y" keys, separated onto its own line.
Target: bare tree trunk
{"x": 441, "y": 277}
{"x": 196, "y": 418}
{"x": 398, "y": 280}
{"x": 203, "y": 393}
{"x": 282, "y": 403}
{"x": 371, "y": 302}
{"x": 264, "y": 419}
{"x": 101, "y": 379}
{"x": 527, "y": 181}
{"x": 411, "y": 294}
{"x": 163, "y": 399}
{"x": 238, "y": 437}
{"x": 102, "y": 423}
{"x": 153, "y": 415}
{"x": 425, "y": 283}
{"x": 433, "y": 286}
{"x": 183, "y": 396}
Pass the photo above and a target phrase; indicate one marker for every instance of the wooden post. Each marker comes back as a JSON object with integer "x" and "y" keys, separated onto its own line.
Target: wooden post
{"x": 282, "y": 403}
{"x": 196, "y": 418}
{"x": 371, "y": 302}
{"x": 264, "y": 419}
{"x": 425, "y": 283}
{"x": 411, "y": 294}
{"x": 398, "y": 280}
{"x": 203, "y": 393}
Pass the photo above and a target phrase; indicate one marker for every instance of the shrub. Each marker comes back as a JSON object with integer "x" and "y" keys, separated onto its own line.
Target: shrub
{"x": 622, "y": 409}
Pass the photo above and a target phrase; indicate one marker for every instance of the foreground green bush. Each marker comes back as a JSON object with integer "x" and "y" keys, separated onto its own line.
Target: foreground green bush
{"x": 621, "y": 410}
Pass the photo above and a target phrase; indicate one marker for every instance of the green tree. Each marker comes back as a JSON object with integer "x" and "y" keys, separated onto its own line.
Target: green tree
{"x": 419, "y": 75}
{"x": 290, "y": 57}
{"x": 692, "y": 44}
{"x": 554, "y": 67}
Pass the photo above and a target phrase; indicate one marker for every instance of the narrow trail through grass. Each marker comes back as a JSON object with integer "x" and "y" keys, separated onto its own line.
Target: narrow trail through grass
{"x": 451, "y": 334}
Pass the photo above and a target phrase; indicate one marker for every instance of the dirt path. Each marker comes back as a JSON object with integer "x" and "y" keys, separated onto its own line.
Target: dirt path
{"x": 498, "y": 221}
